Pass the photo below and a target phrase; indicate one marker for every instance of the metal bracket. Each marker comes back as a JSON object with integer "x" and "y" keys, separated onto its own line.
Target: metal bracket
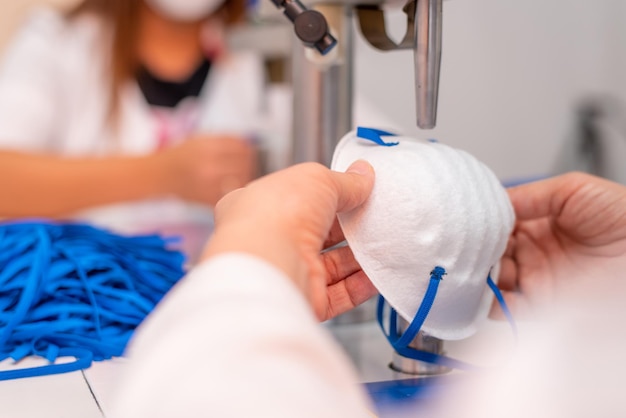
{"x": 372, "y": 24}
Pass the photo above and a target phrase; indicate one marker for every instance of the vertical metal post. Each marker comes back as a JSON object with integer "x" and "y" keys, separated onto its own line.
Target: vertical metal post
{"x": 428, "y": 18}
{"x": 421, "y": 342}
{"x": 323, "y": 92}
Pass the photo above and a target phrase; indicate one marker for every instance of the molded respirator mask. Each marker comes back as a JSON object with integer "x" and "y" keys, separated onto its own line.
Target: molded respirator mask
{"x": 431, "y": 234}
{"x": 186, "y": 10}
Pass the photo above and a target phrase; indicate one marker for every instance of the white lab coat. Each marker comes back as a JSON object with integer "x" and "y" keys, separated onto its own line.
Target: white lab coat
{"x": 235, "y": 338}
{"x": 54, "y": 98}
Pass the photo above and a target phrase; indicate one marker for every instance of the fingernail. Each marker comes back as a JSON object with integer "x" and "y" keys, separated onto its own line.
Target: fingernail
{"x": 360, "y": 167}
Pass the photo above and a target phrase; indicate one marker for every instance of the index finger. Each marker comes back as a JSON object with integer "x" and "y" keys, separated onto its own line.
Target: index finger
{"x": 544, "y": 197}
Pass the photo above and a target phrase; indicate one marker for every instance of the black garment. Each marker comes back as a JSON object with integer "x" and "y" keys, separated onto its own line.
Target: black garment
{"x": 168, "y": 94}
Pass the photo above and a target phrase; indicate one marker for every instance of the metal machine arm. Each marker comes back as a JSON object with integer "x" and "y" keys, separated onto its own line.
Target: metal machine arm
{"x": 423, "y": 35}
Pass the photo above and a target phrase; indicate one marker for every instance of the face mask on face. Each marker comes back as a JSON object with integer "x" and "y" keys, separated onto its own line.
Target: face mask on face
{"x": 185, "y": 10}
{"x": 437, "y": 219}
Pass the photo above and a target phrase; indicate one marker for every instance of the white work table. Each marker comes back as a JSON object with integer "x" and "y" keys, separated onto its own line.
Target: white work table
{"x": 57, "y": 396}
{"x": 80, "y": 394}
{"x": 88, "y": 393}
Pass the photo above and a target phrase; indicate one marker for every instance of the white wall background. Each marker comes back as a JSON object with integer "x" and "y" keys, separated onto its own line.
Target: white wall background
{"x": 12, "y": 13}
{"x": 512, "y": 74}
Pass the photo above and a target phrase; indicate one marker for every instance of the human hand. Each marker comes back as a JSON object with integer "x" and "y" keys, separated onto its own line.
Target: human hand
{"x": 205, "y": 168}
{"x": 571, "y": 230}
{"x": 288, "y": 218}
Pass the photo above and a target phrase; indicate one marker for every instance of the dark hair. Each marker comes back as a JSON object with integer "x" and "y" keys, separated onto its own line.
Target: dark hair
{"x": 122, "y": 17}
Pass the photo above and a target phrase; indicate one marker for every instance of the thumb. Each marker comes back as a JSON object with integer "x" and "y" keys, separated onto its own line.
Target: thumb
{"x": 354, "y": 186}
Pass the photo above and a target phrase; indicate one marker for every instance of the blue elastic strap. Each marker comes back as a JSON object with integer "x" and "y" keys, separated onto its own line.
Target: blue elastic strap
{"x": 400, "y": 343}
{"x": 429, "y": 298}
{"x": 375, "y": 135}
{"x": 83, "y": 360}
{"x": 505, "y": 309}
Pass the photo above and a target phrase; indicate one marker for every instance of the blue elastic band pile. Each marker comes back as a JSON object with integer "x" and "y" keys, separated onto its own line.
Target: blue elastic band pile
{"x": 78, "y": 291}
{"x": 400, "y": 342}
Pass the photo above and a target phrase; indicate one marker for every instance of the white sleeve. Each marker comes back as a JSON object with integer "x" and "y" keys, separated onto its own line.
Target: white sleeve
{"x": 236, "y": 339}
{"x": 29, "y": 83}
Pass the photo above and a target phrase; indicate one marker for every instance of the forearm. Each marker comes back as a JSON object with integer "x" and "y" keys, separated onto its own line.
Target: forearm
{"x": 37, "y": 185}
{"x": 236, "y": 328}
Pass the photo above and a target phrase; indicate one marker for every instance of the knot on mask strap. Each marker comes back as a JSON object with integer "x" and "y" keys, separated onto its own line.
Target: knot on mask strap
{"x": 375, "y": 135}
{"x": 400, "y": 342}
{"x": 429, "y": 298}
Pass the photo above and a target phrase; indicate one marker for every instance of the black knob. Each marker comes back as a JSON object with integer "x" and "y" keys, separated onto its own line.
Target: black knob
{"x": 310, "y": 26}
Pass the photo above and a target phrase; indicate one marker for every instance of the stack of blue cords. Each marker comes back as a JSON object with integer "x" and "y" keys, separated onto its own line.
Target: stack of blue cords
{"x": 72, "y": 290}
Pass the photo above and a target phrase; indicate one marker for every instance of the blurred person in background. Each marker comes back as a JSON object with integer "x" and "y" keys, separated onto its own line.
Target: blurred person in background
{"x": 130, "y": 114}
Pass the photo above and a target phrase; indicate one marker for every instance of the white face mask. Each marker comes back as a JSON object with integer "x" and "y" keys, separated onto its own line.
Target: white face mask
{"x": 431, "y": 206}
{"x": 185, "y": 10}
